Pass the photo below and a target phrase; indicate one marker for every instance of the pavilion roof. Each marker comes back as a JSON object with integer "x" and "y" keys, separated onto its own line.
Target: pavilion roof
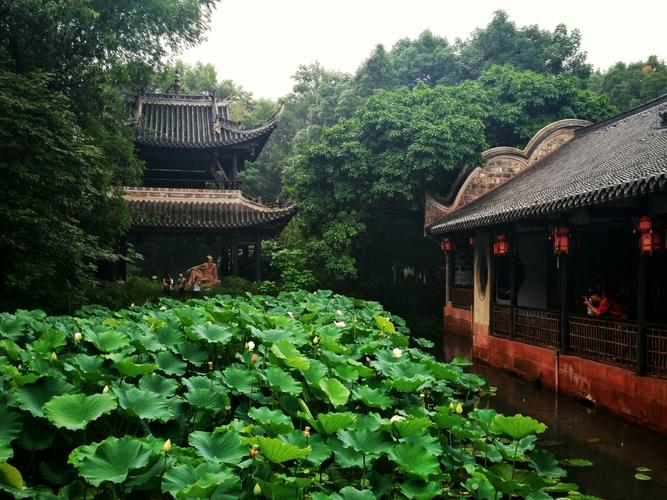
{"x": 168, "y": 208}
{"x": 623, "y": 157}
{"x": 177, "y": 120}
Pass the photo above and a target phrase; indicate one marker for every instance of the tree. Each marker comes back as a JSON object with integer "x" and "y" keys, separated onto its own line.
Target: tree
{"x": 65, "y": 145}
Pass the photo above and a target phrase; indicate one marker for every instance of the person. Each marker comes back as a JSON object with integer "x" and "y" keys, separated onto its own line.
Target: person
{"x": 598, "y": 304}
{"x": 180, "y": 285}
{"x": 196, "y": 287}
{"x": 167, "y": 284}
{"x": 206, "y": 273}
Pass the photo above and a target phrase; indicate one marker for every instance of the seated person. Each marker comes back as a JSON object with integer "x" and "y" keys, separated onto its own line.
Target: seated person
{"x": 206, "y": 273}
{"x": 598, "y": 304}
{"x": 180, "y": 285}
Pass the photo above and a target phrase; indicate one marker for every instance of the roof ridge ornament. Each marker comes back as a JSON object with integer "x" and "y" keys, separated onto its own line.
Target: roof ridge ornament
{"x": 662, "y": 113}
{"x": 175, "y": 88}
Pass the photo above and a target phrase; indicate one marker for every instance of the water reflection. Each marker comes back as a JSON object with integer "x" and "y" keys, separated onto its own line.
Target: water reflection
{"x": 579, "y": 431}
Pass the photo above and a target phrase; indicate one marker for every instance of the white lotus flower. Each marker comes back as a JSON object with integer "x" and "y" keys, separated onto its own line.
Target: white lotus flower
{"x": 163, "y": 308}
{"x": 250, "y": 345}
{"x": 290, "y": 314}
{"x": 397, "y": 353}
{"x": 339, "y": 312}
{"x": 396, "y": 418}
{"x": 78, "y": 337}
{"x": 340, "y": 324}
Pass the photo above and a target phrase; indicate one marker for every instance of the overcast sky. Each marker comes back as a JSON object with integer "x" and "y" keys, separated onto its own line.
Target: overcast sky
{"x": 260, "y": 43}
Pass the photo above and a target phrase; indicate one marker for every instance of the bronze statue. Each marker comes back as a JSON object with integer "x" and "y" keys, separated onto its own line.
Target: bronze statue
{"x": 206, "y": 273}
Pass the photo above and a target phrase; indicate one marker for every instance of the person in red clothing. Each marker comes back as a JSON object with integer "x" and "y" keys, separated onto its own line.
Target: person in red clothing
{"x": 605, "y": 306}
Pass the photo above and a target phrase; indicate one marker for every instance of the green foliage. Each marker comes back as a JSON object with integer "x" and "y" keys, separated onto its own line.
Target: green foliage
{"x": 296, "y": 417}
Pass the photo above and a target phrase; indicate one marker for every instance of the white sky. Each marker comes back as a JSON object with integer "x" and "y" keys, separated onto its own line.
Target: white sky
{"x": 260, "y": 43}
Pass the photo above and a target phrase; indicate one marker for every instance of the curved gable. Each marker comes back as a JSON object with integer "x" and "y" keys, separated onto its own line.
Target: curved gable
{"x": 503, "y": 163}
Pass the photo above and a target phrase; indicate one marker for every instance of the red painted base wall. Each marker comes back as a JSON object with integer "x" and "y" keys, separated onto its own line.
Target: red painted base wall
{"x": 457, "y": 320}
{"x": 642, "y": 400}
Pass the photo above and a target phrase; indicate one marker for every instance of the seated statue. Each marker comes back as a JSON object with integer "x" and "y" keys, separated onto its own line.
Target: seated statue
{"x": 206, "y": 273}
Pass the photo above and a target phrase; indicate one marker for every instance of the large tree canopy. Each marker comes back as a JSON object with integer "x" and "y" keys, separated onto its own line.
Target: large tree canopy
{"x": 361, "y": 186}
{"x": 65, "y": 146}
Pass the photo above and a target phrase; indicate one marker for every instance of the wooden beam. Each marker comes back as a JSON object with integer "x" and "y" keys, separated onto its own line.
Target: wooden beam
{"x": 640, "y": 367}
{"x": 562, "y": 261}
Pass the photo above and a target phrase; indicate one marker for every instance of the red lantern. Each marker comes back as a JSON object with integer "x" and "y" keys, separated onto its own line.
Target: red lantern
{"x": 561, "y": 239}
{"x": 447, "y": 245}
{"x": 656, "y": 241}
{"x": 645, "y": 229}
{"x": 501, "y": 246}
{"x": 471, "y": 241}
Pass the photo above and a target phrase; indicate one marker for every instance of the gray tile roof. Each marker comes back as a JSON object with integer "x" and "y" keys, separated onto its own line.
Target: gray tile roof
{"x": 620, "y": 158}
{"x": 166, "y": 208}
{"x": 178, "y": 120}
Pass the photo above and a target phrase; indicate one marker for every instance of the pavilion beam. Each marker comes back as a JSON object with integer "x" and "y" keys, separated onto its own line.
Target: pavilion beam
{"x": 640, "y": 368}
{"x": 564, "y": 306}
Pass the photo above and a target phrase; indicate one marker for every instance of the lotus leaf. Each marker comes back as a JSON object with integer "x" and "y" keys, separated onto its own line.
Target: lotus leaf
{"x": 145, "y": 405}
{"x": 170, "y": 364}
{"x": 332, "y": 422}
{"x": 129, "y": 368}
{"x": 32, "y": 397}
{"x": 107, "y": 340}
{"x": 75, "y": 411}
{"x": 337, "y": 393}
{"x": 414, "y": 460}
{"x": 222, "y": 447}
{"x": 364, "y": 441}
{"x": 282, "y": 380}
{"x": 518, "y": 426}
{"x": 218, "y": 334}
{"x": 284, "y": 350}
{"x": 274, "y": 421}
{"x": 11, "y": 477}
{"x": 278, "y": 451}
{"x": 112, "y": 460}
{"x": 384, "y": 324}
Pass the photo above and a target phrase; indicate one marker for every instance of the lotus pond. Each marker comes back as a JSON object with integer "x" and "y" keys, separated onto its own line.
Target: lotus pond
{"x": 307, "y": 395}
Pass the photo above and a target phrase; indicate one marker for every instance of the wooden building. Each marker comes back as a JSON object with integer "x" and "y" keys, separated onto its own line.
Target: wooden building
{"x": 190, "y": 203}
{"x": 529, "y": 233}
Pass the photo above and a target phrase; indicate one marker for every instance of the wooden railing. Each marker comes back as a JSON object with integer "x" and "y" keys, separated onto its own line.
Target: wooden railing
{"x": 606, "y": 340}
{"x": 461, "y": 297}
{"x": 538, "y": 327}
{"x": 656, "y": 350}
{"x": 501, "y": 320}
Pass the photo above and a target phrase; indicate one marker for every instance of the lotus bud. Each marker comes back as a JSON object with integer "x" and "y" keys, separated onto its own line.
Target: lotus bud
{"x": 210, "y": 366}
{"x": 397, "y": 352}
{"x": 78, "y": 337}
{"x": 316, "y": 340}
{"x": 254, "y": 451}
{"x": 451, "y": 406}
{"x": 253, "y": 358}
{"x": 105, "y": 390}
{"x": 422, "y": 395}
{"x": 132, "y": 304}
{"x": 306, "y": 432}
{"x": 257, "y": 490}
{"x": 209, "y": 322}
{"x": 381, "y": 334}
{"x": 459, "y": 408}
{"x": 166, "y": 447}
{"x": 54, "y": 356}
{"x": 249, "y": 346}
{"x": 396, "y": 418}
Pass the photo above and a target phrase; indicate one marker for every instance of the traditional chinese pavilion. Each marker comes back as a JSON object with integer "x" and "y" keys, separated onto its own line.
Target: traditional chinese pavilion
{"x": 525, "y": 237}
{"x": 190, "y": 203}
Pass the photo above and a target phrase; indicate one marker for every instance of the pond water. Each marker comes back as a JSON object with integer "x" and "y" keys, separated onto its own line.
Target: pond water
{"x": 577, "y": 430}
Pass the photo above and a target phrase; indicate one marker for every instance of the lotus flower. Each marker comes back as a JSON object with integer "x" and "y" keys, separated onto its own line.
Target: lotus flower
{"x": 250, "y": 346}
{"x": 290, "y": 314}
{"x": 396, "y": 418}
{"x": 306, "y": 432}
{"x": 339, "y": 312}
{"x": 397, "y": 352}
{"x": 78, "y": 337}
{"x": 339, "y": 324}
{"x": 105, "y": 390}
{"x": 163, "y": 308}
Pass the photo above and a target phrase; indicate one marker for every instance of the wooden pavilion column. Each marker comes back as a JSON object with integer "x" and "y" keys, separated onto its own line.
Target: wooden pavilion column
{"x": 235, "y": 255}
{"x": 257, "y": 257}
{"x": 640, "y": 367}
{"x": 513, "y": 290}
{"x": 448, "y": 276}
{"x": 564, "y": 306}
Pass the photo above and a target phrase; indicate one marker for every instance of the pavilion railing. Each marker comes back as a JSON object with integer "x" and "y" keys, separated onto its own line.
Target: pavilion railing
{"x": 610, "y": 341}
{"x": 538, "y": 327}
{"x": 656, "y": 350}
{"x": 501, "y": 321}
{"x": 192, "y": 183}
{"x": 461, "y": 297}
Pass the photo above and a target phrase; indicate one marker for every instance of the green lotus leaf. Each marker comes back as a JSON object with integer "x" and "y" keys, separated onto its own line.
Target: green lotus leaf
{"x": 179, "y": 477}
{"x": 49, "y": 341}
{"x": 194, "y": 353}
{"x": 11, "y": 326}
{"x": 191, "y": 316}
{"x": 350, "y": 493}
{"x": 32, "y": 397}
{"x": 433, "y": 446}
{"x": 277, "y": 451}
{"x": 158, "y": 384}
{"x": 546, "y": 465}
{"x": 274, "y": 421}
{"x": 112, "y": 459}
{"x": 332, "y": 422}
{"x": 224, "y": 447}
{"x": 414, "y": 460}
{"x": 128, "y": 368}
{"x": 412, "y": 426}
{"x": 285, "y": 350}
{"x": 145, "y": 405}
{"x": 409, "y": 384}
{"x": 576, "y": 462}
{"x": 11, "y": 478}
{"x": 374, "y": 398}
{"x": 337, "y": 393}
{"x": 169, "y": 363}
{"x": 6, "y": 450}
{"x": 10, "y": 348}
{"x": 218, "y": 334}
{"x": 365, "y": 440}
{"x": 283, "y": 381}
{"x": 320, "y": 451}
{"x": 169, "y": 336}
{"x": 10, "y": 424}
{"x": 205, "y": 481}
{"x": 89, "y": 365}
{"x": 205, "y": 399}
{"x": 272, "y": 336}
{"x": 107, "y": 340}
{"x": 384, "y": 324}
{"x": 347, "y": 457}
{"x": 316, "y": 372}
{"x": 642, "y": 477}
{"x": 518, "y": 426}
{"x": 240, "y": 379}
{"x": 75, "y": 411}
{"x": 421, "y": 490}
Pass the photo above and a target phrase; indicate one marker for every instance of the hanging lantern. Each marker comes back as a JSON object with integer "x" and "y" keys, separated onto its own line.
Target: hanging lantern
{"x": 471, "y": 241}
{"x": 645, "y": 229}
{"x": 560, "y": 236}
{"x": 501, "y": 246}
{"x": 447, "y": 245}
{"x": 656, "y": 241}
